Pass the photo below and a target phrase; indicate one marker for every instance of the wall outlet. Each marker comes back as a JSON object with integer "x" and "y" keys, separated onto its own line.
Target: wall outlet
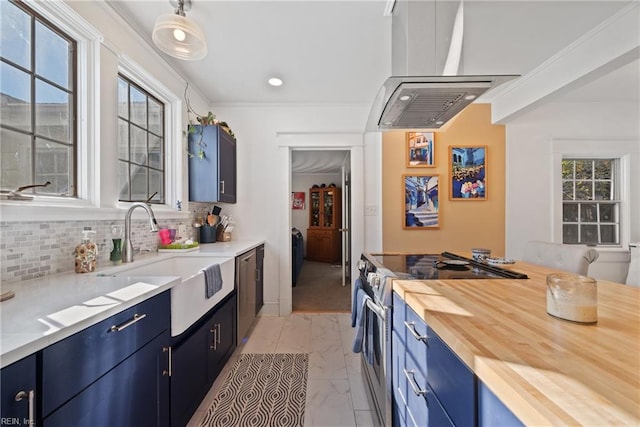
{"x": 182, "y": 231}
{"x": 371, "y": 210}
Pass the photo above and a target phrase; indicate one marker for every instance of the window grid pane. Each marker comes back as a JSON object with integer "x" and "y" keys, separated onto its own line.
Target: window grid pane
{"x": 590, "y": 211}
{"x": 42, "y": 58}
{"x": 140, "y": 144}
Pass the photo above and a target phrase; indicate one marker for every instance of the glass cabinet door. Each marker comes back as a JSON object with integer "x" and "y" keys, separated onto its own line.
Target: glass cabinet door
{"x": 315, "y": 208}
{"x": 328, "y": 209}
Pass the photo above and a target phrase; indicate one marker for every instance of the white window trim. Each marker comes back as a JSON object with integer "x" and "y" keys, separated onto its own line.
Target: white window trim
{"x": 627, "y": 153}
{"x": 87, "y": 205}
{"x": 172, "y": 129}
{"x": 88, "y": 41}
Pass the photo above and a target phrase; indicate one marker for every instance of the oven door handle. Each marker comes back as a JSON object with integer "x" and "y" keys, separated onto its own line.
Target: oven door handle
{"x": 379, "y": 311}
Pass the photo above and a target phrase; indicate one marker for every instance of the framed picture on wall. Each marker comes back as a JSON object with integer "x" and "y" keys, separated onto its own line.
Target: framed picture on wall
{"x": 297, "y": 200}
{"x": 420, "y": 149}
{"x": 468, "y": 172}
{"x": 420, "y": 202}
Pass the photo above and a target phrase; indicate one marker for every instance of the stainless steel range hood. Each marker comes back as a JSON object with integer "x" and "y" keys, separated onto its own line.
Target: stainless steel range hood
{"x": 414, "y": 99}
{"x": 426, "y": 102}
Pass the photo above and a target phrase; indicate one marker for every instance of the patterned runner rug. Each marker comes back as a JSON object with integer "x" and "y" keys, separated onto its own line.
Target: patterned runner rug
{"x": 262, "y": 390}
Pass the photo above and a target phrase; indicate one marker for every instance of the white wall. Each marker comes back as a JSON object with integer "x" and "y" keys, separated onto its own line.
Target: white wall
{"x": 529, "y": 186}
{"x": 263, "y": 187}
{"x": 303, "y": 182}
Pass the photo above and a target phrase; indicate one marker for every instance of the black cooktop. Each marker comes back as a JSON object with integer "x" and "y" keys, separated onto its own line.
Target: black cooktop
{"x": 444, "y": 266}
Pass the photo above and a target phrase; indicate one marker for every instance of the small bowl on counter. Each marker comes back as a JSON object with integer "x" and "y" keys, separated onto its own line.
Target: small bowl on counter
{"x": 480, "y": 254}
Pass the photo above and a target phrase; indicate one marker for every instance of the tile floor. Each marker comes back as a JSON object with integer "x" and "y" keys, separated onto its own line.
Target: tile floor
{"x": 335, "y": 390}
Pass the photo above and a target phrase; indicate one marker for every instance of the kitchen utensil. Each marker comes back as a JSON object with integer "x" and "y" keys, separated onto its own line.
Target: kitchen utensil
{"x": 210, "y": 220}
{"x": 216, "y": 210}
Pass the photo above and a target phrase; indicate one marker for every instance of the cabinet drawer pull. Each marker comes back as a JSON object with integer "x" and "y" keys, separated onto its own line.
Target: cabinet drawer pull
{"x": 218, "y": 334}
{"x": 136, "y": 318}
{"x": 169, "y": 361}
{"x": 411, "y": 326}
{"x": 31, "y": 395}
{"x": 214, "y": 338}
{"x": 222, "y": 187}
{"x": 413, "y": 383}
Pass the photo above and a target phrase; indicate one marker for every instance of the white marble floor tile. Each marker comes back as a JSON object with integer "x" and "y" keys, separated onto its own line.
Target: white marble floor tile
{"x": 264, "y": 336}
{"x": 358, "y": 394}
{"x": 328, "y": 404}
{"x": 325, "y": 333}
{"x": 327, "y": 364}
{"x": 364, "y": 418}
{"x": 296, "y": 335}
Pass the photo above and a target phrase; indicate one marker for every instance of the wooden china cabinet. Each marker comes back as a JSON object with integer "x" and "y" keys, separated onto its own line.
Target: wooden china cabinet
{"x": 325, "y": 220}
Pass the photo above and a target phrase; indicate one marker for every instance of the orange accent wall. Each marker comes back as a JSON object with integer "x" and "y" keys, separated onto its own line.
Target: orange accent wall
{"x": 463, "y": 224}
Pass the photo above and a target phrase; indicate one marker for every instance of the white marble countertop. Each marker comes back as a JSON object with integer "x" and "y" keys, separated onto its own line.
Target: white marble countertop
{"x": 51, "y": 308}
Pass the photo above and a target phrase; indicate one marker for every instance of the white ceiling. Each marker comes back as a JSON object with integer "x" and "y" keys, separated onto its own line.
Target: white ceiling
{"x": 340, "y": 51}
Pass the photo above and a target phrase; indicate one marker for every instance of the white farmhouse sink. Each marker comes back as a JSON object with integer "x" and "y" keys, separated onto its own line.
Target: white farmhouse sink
{"x": 188, "y": 300}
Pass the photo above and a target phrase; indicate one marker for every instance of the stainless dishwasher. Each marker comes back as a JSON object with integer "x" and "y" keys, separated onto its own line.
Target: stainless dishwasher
{"x": 246, "y": 281}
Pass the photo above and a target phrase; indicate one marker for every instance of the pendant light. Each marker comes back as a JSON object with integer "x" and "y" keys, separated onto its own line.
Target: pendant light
{"x": 178, "y": 36}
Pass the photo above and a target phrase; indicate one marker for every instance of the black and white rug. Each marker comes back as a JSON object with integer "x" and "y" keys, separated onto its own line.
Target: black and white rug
{"x": 262, "y": 390}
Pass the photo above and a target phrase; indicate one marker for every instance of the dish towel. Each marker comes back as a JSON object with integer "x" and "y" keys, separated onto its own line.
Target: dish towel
{"x": 212, "y": 279}
{"x": 354, "y": 301}
{"x": 361, "y": 321}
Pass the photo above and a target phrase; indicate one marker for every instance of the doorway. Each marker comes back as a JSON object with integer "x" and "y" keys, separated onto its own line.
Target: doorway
{"x": 319, "y": 225}
{"x": 287, "y": 144}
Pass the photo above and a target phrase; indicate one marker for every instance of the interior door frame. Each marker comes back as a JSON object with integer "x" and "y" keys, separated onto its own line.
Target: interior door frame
{"x": 287, "y": 142}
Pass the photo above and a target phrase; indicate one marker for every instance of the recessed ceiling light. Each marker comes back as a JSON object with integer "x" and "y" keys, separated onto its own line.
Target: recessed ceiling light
{"x": 470, "y": 97}
{"x": 405, "y": 98}
{"x": 274, "y": 81}
{"x": 439, "y": 122}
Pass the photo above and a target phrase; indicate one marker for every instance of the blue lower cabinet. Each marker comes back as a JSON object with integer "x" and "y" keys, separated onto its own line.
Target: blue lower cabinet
{"x": 18, "y": 392}
{"x": 199, "y": 357}
{"x": 71, "y": 365}
{"x": 453, "y": 383}
{"x": 134, "y": 393}
{"x": 492, "y": 412}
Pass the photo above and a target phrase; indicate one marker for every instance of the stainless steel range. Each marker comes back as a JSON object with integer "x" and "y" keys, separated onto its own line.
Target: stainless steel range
{"x": 375, "y": 270}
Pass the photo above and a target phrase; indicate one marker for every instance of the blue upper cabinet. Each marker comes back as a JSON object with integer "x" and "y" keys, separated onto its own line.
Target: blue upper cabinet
{"x": 212, "y": 175}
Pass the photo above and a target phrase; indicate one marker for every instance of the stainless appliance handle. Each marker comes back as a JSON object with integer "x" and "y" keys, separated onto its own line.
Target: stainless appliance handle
{"x": 379, "y": 311}
{"x": 411, "y": 326}
{"x": 136, "y": 318}
{"x": 413, "y": 383}
{"x": 31, "y": 395}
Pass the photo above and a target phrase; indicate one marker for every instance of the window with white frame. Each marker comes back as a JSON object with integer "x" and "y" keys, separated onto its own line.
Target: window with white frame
{"x": 591, "y": 201}
{"x": 141, "y": 144}
{"x": 38, "y": 141}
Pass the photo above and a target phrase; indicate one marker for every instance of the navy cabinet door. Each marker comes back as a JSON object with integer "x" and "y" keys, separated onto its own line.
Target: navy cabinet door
{"x": 223, "y": 323}
{"x": 212, "y": 178}
{"x": 134, "y": 393}
{"x": 18, "y": 381}
{"x": 227, "y": 167}
{"x": 189, "y": 382}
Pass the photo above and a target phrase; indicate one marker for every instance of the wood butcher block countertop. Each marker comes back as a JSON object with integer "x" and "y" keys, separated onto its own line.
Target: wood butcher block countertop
{"x": 548, "y": 371}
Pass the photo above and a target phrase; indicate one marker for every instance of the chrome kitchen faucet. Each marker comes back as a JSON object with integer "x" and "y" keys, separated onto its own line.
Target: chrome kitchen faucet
{"x": 127, "y": 249}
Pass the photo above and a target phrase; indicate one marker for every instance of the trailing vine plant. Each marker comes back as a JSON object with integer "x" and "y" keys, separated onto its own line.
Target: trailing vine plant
{"x": 192, "y": 128}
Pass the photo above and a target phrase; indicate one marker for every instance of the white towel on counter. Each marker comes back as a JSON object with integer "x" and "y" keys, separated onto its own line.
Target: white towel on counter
{"x": 212, "y": 279}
